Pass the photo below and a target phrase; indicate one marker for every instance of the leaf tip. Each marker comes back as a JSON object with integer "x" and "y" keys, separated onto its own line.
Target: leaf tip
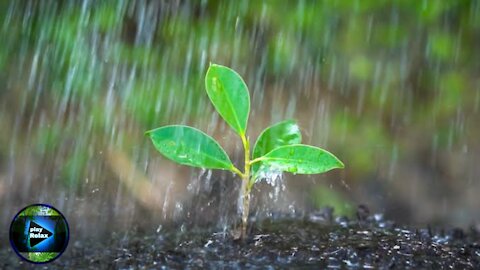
{"x": 147, "y": 133}
{"x": 210, "y": 69}
{"x": 211, "y": 64}
{"x": 340, "y": 164}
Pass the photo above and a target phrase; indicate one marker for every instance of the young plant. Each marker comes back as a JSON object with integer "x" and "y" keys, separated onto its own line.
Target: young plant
{"x": 278, "y": 147}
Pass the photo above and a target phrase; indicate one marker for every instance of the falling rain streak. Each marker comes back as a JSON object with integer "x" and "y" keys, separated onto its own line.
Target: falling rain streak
{"x": 392, "y": 87}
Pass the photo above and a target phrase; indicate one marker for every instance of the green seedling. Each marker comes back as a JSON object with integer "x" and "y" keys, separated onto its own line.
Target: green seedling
{"x": 277, "y": 148}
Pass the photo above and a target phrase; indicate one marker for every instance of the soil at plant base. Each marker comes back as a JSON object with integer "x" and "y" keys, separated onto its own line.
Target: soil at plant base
{"x": 315, "y": 242}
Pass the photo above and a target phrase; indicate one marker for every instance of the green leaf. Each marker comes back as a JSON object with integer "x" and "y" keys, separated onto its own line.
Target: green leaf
{"x": 280, "y": 134}
{"x": 301, "y": 159}
{"x": 229, "y": 95}
{"x": 189, "y": 146}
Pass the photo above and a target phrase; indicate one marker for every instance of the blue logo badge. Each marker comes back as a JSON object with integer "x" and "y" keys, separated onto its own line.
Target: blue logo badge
{"x": 39, "y": 233}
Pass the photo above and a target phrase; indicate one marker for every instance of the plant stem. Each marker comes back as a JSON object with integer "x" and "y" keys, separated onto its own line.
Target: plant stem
{"x": 256, "y": 160}
{"x": 246, "y": 188}
{"x": 237, "y": 171}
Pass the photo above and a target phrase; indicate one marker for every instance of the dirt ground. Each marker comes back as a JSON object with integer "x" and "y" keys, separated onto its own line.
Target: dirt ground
{"x": 320, "y": 240}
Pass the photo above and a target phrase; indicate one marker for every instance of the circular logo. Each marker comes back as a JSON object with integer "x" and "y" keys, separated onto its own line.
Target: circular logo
{"x": 39, "y": 233}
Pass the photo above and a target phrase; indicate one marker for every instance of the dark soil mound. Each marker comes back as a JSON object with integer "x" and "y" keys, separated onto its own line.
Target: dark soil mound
{"x": 316, "y": 242}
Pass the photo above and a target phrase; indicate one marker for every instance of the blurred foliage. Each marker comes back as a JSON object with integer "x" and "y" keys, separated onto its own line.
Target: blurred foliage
{"x": 42, "y": 256}
{"x": 323, "y": 196}
{"x": 95, "y": 73}
{"x": 39, "y": 210}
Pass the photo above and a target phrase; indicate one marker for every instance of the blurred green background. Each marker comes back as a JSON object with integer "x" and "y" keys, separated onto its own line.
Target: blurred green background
{"x": 391, "y": 87}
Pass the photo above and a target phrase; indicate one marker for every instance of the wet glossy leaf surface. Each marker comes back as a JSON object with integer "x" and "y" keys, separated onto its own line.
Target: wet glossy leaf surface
{"x": 189, "y": 146}
{"x": 301, "y": 159}
{"x": 280, "y": 134}
{"x": 229, "y": 95}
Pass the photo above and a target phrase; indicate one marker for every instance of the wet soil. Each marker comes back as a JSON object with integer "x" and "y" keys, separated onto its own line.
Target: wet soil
{"x": 318, "y": 241}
